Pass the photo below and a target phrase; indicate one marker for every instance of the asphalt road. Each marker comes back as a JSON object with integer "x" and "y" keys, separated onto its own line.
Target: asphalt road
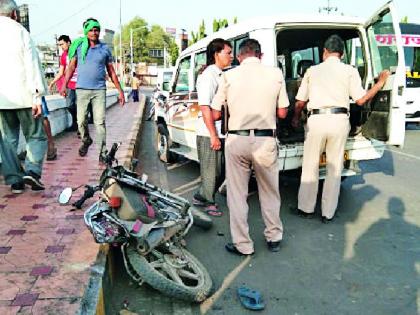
{"x": 367, "y": 261}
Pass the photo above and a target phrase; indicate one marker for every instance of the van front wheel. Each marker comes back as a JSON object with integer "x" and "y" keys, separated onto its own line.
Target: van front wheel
{"x": 163, "y": 143}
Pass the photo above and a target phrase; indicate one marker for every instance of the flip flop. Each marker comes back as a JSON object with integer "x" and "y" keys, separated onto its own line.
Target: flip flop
{"x": 213, "y": 210}
{"x": 52, "y": 154}
{"x": 250, "y": 299}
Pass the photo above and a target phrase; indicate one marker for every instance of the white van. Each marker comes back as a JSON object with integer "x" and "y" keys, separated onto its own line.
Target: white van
{"x": 294, "y": 43}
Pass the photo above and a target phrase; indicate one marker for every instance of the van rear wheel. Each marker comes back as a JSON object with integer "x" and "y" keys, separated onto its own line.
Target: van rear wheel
{"x": 163, "y": 144}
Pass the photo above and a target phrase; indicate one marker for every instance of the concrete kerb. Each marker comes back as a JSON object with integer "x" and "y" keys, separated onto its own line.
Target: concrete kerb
{"x": 93, "y": 300}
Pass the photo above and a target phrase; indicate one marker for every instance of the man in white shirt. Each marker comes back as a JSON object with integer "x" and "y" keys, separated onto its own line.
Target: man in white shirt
{"x": 21, "y": 85}
{"x": 209, "y": 144}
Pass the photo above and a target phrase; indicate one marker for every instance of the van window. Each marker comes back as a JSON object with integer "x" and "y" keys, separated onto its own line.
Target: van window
{"x": 182, "y": 80}
{"x": 309, "y": 54}
{"x": 412, "y": 62}
{"x": 200, "y": 60}
{"x": 381, "y": 37}
{"x": 235, "y": 42}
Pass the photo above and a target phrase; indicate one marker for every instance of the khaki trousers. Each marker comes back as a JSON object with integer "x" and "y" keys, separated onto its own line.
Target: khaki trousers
{"x": 242, "y": 153}
{"x": 327, "y": 132}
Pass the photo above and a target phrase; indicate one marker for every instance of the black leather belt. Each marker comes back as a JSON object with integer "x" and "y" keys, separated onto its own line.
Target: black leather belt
{"x": 257, "y": 132}
{"x": 329, "y": 110}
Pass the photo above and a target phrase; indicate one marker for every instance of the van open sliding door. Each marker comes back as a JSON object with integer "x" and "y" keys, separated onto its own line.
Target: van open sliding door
{"x": 385, "y": 115}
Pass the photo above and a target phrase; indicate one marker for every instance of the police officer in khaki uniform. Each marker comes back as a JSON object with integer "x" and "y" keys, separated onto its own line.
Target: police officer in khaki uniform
{"x": 326, "y": 89}
{"x": 254, "y": 94}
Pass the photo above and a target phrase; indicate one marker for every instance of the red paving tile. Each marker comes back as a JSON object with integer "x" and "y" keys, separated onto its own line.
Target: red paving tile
{"x": 45, "y": 250}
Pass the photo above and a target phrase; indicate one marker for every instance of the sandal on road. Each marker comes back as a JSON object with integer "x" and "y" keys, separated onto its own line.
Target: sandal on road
{"x": 250, "y": 299}
{"x": 213, "y": 210}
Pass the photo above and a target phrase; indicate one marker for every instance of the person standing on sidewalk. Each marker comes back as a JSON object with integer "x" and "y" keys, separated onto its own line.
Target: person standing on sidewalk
{"x": 135, "y": 85}
{"x": 22, "y": 84}
{"x": 325, "y": 90}
{"x": 255, "y": 95}
{"x": 92, "y": 59}
{"x": 64, "y": 42}
{"x": 209, "y": 143}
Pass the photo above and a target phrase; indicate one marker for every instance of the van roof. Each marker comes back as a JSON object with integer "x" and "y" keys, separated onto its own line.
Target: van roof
{"x": 268, "y": 22}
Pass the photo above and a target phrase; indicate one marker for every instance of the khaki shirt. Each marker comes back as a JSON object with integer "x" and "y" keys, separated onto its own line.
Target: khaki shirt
{"x": 330, "y": 84}
{"x": 135, "y": 83}
{"x": 253, "y": 92}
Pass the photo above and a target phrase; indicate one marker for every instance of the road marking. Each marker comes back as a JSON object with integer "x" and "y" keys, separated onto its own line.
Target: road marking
{"x": 207, "y": 304}
{"x": 176, "y": 165}
{"x": 405, "y": 154}
{"x": 183, "y": 192}
{"x": 187, "y": 185}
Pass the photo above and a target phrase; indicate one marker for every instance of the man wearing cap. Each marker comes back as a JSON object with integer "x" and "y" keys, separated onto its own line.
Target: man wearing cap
{"x": 254, "y": 94}
{"x": 325, "y": 90}
{"x": 92, "y": 59}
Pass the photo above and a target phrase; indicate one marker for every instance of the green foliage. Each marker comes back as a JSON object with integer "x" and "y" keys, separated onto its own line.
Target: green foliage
{"x": 404, "y": 19}
{"x": 219, "y": 24}
{"x": 201, "y": 33}
{"x": 145, "y": 39}
{"x": 235, "y": 20}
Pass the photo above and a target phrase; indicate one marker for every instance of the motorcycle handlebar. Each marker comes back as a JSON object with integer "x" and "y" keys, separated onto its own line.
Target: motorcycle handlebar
{"x": 89, "y": 192}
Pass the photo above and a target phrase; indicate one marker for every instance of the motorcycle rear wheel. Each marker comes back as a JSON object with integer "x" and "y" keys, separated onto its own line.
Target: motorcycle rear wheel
{"x": 184, "y": 278}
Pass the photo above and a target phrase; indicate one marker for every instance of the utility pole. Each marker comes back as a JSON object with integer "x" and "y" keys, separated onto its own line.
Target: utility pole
{"x": 57, "y": 50}
{"x": 121, "y": 66}
{"x": 328, "y": 8}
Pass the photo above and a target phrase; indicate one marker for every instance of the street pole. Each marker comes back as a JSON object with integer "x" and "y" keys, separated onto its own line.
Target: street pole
{"x": 131, "y": 53}
{"x": 121, "y": 67}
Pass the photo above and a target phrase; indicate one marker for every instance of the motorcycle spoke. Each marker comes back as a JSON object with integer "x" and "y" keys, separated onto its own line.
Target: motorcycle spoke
{"x": 173, "y": 274}
{"x": 189, "y": 275}
{"x": 156, "y": 264}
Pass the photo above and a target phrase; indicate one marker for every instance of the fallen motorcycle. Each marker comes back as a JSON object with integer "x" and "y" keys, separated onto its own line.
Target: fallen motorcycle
{"x": 149, "y": 224}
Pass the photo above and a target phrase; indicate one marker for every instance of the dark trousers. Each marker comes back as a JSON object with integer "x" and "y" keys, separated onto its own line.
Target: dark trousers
{"x": 212, "y": 170}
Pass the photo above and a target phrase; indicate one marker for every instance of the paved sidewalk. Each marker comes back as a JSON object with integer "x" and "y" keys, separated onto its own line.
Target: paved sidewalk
{"x": 46, "y": 252}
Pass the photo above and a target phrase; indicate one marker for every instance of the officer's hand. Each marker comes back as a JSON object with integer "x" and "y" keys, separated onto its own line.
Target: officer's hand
{"x": 383, "y": 76}
{"x": 295, "y": 122}
{"x": 215, "y": 143}
{"x": 36, "y": 110}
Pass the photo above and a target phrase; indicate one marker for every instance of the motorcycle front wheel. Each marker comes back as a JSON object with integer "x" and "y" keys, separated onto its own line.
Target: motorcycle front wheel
{"x": 174, "y": 272}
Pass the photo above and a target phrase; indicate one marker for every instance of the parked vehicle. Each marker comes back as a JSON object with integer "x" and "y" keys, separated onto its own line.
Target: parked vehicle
{"x": 410, "y": 37}
{"x": 294, "y": 43}
{"x": 150, "y": 224}
{"x": 161, "y": 91}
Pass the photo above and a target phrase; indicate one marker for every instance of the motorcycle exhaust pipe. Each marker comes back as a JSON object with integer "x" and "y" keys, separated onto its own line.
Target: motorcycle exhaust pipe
{"x": 151, "y": 241}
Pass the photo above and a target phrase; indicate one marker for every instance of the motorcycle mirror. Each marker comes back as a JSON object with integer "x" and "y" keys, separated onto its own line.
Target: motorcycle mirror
{"x": 65, "y": 196}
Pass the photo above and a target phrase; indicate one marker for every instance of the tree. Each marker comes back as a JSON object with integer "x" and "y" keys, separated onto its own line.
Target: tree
{"x": 145, "y": 39}
{"x": 404, "y": 19}
{"x": 201, "y": 33}
{"x": 219, "y": 24}
{"x": 140, "y": 32}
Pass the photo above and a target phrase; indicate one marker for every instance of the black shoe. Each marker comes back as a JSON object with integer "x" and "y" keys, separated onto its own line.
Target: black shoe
{"x": 273, "y": 246}
{"x": 304, "y": 214}
{"x": 231, "y": 248}
{"x": 84, "y": 148}
{"x": 18, "y": 188}
{"x": 32, "y": 179}
{"x": 325, "y": 220}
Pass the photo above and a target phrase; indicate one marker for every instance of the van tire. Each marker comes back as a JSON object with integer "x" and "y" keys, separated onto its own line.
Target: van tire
{"x": 163, "y": 143}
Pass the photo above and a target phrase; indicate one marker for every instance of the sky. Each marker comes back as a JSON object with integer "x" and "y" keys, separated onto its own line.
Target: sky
{"x": 50, "y": 17}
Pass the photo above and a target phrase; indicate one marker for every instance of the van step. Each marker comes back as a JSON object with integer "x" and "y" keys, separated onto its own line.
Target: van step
{"x": 345, "y": 173}
{"x": 188, "y": 152}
